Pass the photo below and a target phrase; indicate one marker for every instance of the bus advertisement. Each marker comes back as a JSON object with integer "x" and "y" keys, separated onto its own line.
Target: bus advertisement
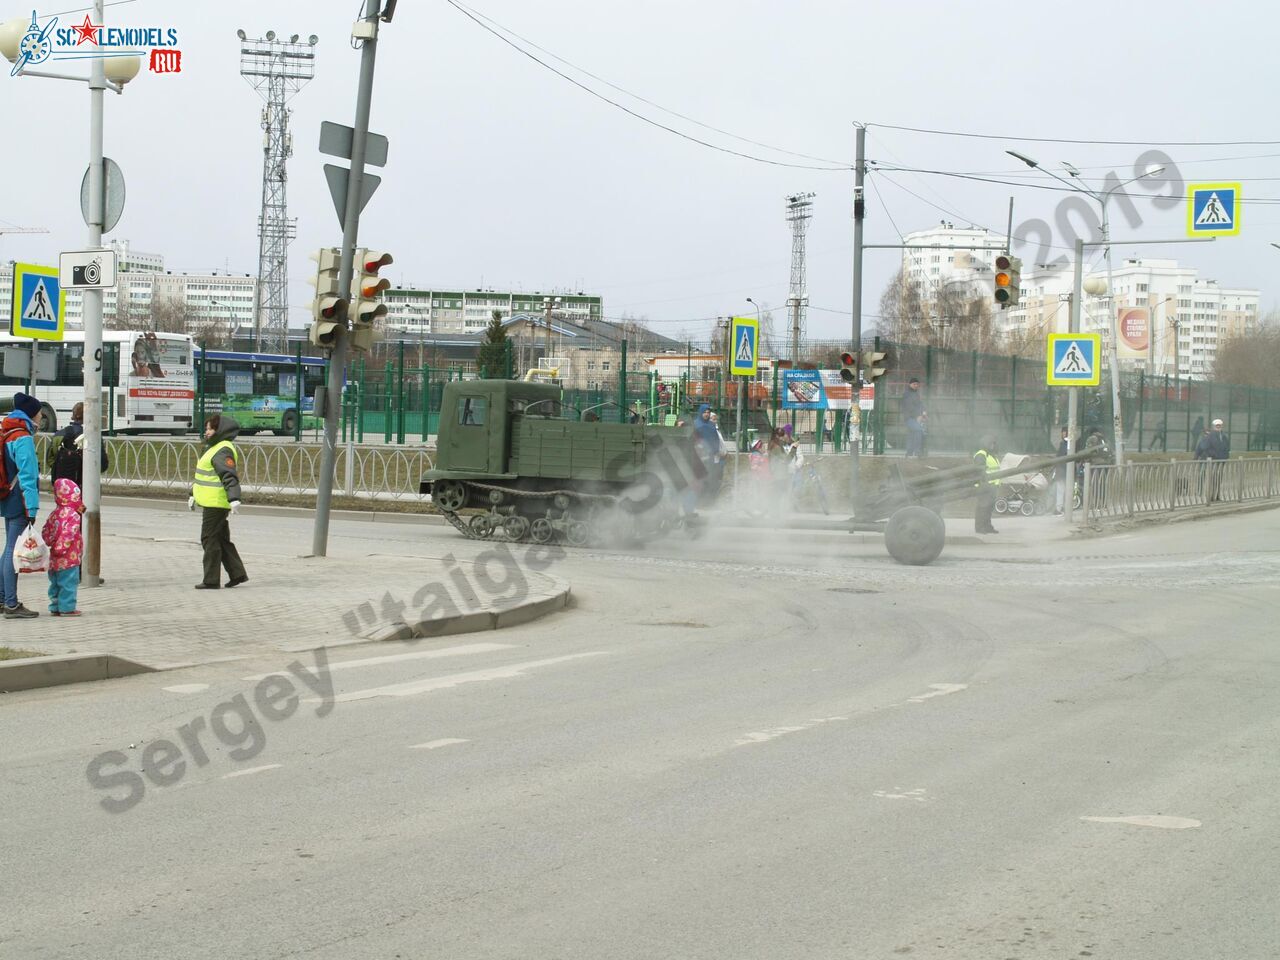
{"x": 261, "y": 389}
{"x": 148, "y": 379}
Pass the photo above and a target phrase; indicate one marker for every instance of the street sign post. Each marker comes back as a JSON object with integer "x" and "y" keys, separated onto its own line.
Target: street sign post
{"x": 87, "y": 269}
{"x": 1074, "y": 360}
{"x": 112, "y": 196}
{"x": 39, "y": 303}
{"x": 39, "y": 309}
{"x": 744, "y": 353}
{"x": 1213, "y": 209}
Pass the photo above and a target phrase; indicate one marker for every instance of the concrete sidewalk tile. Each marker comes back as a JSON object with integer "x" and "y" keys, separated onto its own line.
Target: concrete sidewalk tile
{"x": 147, "y": 611}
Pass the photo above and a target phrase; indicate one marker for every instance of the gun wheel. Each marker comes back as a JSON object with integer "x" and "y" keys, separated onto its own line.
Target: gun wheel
{"x": 915, "y": 535}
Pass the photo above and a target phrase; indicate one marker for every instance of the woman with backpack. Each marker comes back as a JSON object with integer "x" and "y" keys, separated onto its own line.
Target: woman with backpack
{"x": 19, "y": 493}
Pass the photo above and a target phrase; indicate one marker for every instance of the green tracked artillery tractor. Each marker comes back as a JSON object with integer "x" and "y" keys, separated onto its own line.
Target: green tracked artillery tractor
{"x": 505, "y": 447}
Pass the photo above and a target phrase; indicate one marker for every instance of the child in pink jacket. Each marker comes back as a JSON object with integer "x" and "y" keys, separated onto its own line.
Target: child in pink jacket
{"x": 62, "y": 536}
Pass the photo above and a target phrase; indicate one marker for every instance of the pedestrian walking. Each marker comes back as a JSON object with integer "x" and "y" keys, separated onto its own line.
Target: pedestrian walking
{"x": 216, "y": 490}
{"x": 66, "y": 545}
{"x": 19, "y": 493}
{"x": 1213, "y": 447}
{"x": 66, "y": 451}
{"x": 913, "y": 415}
{"x": 987, "y": 489}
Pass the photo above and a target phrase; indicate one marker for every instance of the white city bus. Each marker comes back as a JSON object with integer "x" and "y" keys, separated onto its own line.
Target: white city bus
{"x": 148, "y": 378}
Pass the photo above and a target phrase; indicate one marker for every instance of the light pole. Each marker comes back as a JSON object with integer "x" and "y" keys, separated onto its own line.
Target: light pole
{"x": 1102, "y": 198}
{"x": 104, "y": 73}
{"x": 548, "y": 304}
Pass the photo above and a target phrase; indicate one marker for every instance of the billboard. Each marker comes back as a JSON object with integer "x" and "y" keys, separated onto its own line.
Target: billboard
{"x": 815, "y": 390}
{"x": 1134, "y": 326}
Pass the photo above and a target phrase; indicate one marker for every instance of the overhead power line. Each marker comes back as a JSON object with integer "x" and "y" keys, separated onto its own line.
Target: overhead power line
{"x": 635, "y": 96}
{"x": 627, "y": 110}
{"x": 1110, "y": 143}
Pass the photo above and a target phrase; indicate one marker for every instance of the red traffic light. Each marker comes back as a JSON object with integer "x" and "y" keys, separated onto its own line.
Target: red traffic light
{"x": 849, "y": 359}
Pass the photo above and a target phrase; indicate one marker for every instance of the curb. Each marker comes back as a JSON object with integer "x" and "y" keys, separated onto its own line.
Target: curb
{"x": 33, "y": 673}
{"x": 1106, "y": 527}
{"x": 511, "y": 615}
{"x": 367, "y": 516}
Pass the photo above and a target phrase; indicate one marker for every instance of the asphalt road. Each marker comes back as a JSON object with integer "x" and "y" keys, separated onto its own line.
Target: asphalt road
{"x": 743, "y": 747}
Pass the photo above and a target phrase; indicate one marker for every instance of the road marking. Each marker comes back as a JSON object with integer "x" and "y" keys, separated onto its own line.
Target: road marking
{"x": 434, "y": 744}
{"x": 1157, "y": 820}
{"x": 764, "y": 736}
{"x": 186, "y": 688}
{"x": 414, "y": 687}
{"x": 917, "y": 795}
{"x": 462, "y": 650}
{"x": 245, "y": 773}
{"x": 939, "y": 690}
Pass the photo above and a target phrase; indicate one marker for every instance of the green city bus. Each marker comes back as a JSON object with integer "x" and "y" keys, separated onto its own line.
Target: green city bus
{"x": 260, "y": 389}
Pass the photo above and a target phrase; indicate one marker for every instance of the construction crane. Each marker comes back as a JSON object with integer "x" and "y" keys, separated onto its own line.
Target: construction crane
{"x": 4, "y": 230}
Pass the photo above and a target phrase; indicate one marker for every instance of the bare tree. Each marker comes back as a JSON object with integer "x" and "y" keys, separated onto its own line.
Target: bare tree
{"x": 954, "y": 315}
{"x": 175, "y": 316}
{"x": 1251, "y": 359}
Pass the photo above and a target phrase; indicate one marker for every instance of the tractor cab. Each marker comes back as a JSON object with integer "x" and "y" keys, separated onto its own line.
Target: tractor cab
{"x": 474, "y": 436}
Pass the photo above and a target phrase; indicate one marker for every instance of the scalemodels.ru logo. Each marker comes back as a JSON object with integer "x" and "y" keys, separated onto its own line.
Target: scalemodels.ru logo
{"x": 91, "y": 40}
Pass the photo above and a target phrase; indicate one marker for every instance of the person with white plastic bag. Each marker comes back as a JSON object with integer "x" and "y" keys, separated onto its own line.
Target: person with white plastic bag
{"x": 19, "y": 494}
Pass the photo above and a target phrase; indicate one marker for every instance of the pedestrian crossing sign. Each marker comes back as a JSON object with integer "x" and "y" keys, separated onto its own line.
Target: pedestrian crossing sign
{"x": 1074, "y": 360}
{"x": 39, "y": 303}
{"x": 744, "y": 347}
{"x": 1213, "y": 209}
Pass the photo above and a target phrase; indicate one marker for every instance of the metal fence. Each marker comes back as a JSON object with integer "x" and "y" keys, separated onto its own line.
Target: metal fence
{"x": 363, "y": 472}
{"x": 1113, "y": 492}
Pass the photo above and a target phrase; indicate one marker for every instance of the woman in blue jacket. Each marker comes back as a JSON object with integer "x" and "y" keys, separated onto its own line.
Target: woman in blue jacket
{"x": 22, "y": 499}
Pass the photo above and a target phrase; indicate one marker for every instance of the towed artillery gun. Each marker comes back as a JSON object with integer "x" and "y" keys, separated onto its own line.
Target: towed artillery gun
{"x": 908, "y": 510}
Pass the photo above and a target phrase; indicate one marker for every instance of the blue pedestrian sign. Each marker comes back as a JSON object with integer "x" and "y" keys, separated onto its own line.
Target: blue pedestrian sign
{"x": 1213, "y": 209}
{"x": 39, "y": 303}
{"x": 744, "y": 347}
{"x": 1074, "y": 360}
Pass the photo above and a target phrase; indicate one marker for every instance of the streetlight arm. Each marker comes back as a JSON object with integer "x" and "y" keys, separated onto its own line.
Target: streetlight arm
{"x": 117, "y": 87}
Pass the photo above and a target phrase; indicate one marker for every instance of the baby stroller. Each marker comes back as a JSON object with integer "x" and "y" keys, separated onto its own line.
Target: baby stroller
{"x": 1025, "y": 493}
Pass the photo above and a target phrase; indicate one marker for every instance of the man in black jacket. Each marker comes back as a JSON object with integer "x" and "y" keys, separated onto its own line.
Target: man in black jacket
{"x": 913, "y": 414}
{"x": 1214, "y": 445}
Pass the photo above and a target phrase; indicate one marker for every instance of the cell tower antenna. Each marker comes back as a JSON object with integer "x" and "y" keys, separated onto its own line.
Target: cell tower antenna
{"x": 277, "y": 69}
{"x": 799, "y": 212}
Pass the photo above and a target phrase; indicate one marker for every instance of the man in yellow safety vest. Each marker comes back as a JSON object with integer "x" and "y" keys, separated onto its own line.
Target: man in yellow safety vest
{"x": 216, "y": 490}
{"x": 987, "y": 489}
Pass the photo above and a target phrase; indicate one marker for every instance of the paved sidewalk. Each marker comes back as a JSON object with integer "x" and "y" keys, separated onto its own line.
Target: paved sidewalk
{"x": 148, "y": 611}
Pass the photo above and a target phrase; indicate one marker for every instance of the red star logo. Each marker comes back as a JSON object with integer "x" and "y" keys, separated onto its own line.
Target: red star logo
{"x": 87, "y": 31}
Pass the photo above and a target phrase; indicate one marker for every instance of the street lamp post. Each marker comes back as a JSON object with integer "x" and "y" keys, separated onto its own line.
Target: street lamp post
{"x": 1103, "y": 199}
{"x": 742, "y": 389}
{"x": 103, "y": 74}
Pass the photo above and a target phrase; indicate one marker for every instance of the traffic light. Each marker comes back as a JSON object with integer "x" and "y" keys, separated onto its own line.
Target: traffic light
{"x": 849, "y": 368}
{"x": 872, "y": 370}
{"x": 328, "y": 309}
{"x": 1008, "y": 279}
{"x": 366, "y": 289}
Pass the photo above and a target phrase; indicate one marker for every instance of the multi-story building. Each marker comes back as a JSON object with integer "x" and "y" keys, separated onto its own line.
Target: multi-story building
{"x": 589, "y": 353}
{"x": 203, "y": 301}
{"x": 1188, "y": 316}
{"x": 415, "y": 310}
{"x": 947, "y": 254}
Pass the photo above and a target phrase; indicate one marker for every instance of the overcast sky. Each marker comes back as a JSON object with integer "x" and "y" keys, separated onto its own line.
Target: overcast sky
{"x": 502, "y": 174}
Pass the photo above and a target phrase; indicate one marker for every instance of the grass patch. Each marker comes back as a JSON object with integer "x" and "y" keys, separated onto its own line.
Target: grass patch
{"x": 14, "y": 653}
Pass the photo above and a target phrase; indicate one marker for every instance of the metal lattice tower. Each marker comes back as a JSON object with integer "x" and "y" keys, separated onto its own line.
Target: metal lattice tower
{"x": 799, "y": 211}
{"x": 277, "y": 69}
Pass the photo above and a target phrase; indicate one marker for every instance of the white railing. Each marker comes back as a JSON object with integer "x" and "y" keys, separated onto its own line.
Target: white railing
{"x": 1144, "y": 489}
{"x": 367, "y": 472}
